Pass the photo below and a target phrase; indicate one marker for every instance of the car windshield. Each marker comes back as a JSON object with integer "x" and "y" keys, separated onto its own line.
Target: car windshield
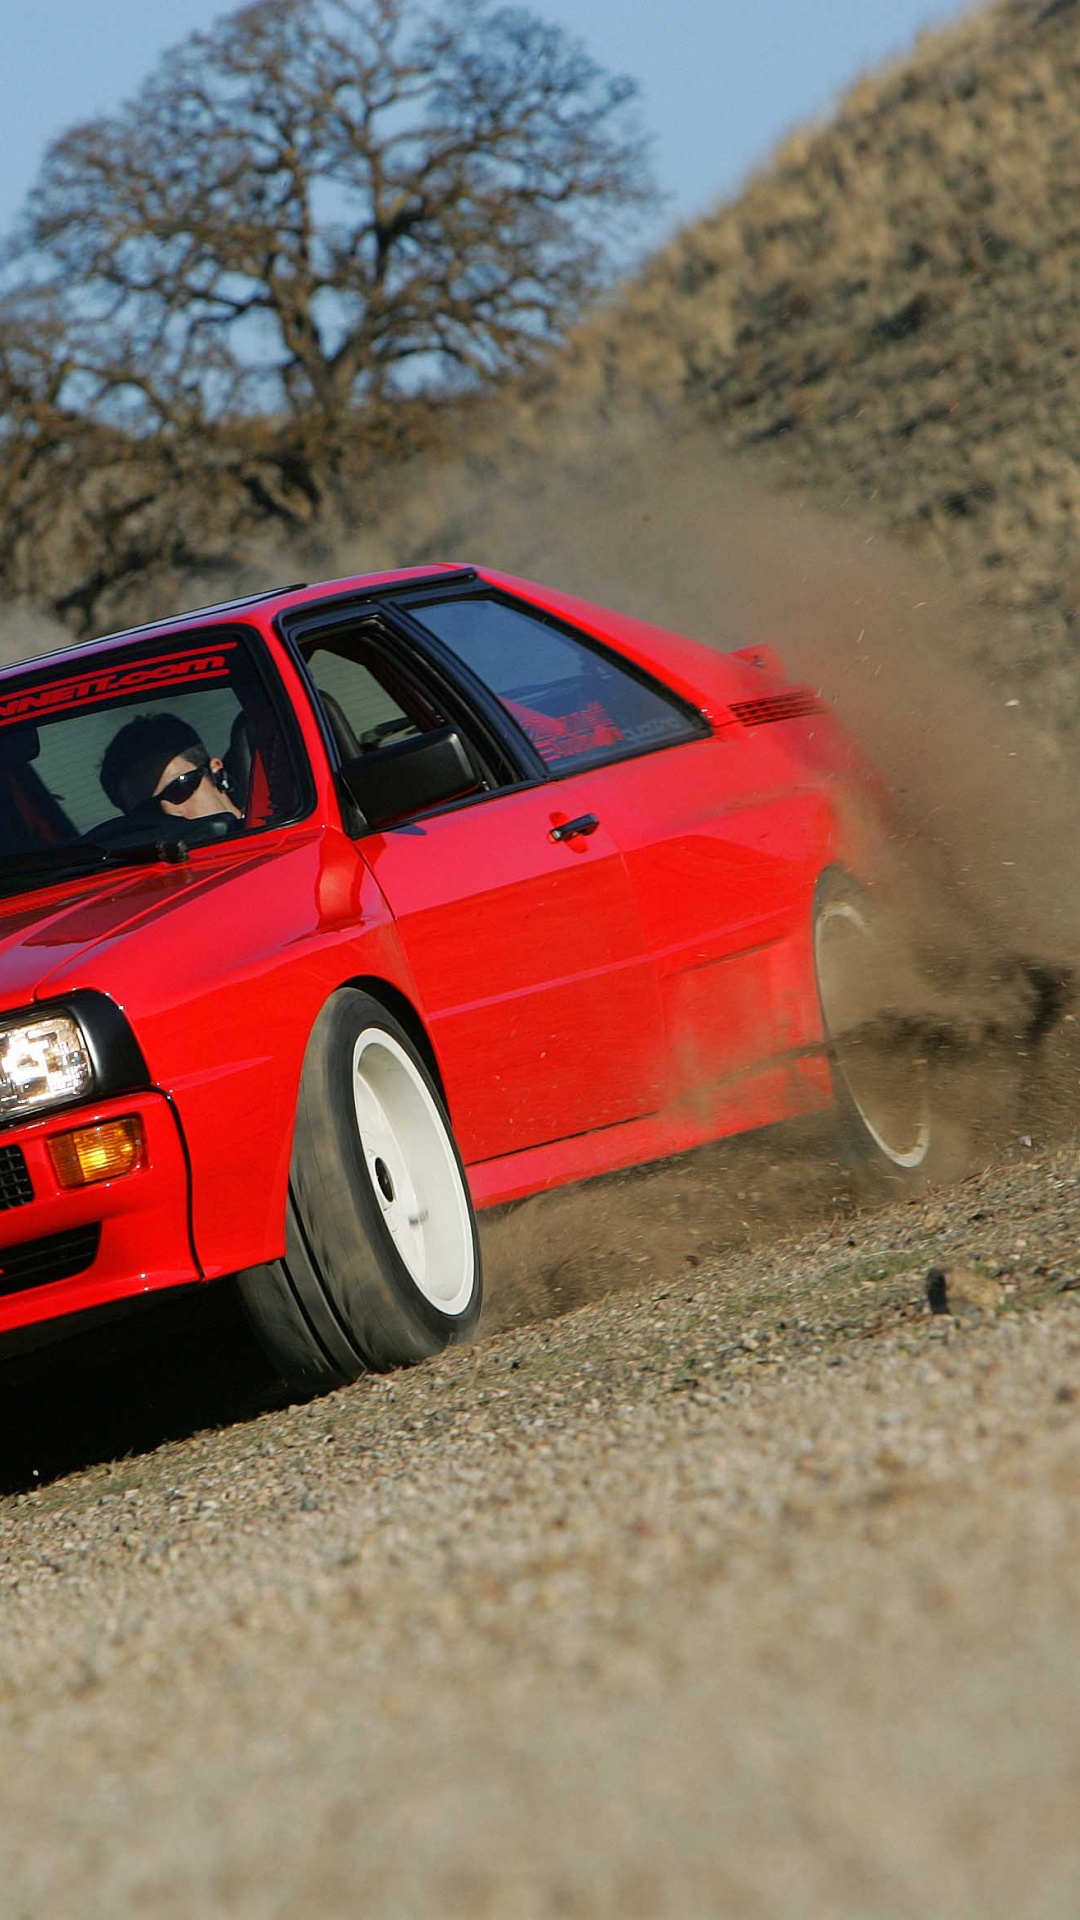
{"x": 106, "y": 757}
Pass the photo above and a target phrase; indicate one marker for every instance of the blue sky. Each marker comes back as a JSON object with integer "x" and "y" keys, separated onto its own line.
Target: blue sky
{"x": 722, "y": 80}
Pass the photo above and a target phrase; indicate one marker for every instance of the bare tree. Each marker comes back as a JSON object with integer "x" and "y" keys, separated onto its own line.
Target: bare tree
{"x": 46, "y": 446}
{"x": 320, "y": 205}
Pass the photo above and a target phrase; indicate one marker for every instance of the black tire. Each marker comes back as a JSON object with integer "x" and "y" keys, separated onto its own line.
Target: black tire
{"x": 889, "y": 1120}
{"x": 382, "y": 1260}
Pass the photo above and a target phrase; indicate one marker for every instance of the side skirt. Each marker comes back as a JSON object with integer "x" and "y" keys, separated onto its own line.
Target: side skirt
{"x": 783, "y": 1090}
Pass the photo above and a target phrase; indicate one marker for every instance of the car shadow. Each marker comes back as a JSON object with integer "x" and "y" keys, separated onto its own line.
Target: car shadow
{"x": 185, "y": 1363}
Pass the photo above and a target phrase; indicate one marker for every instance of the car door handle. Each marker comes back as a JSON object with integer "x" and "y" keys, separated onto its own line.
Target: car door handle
{"x": 585, "y": 823}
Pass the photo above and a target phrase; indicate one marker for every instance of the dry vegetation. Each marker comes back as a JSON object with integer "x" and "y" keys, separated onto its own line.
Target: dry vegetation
{"x": 232, "y": 304}
{"x": 889, "y": 309}
{"x": 884, "y": 316}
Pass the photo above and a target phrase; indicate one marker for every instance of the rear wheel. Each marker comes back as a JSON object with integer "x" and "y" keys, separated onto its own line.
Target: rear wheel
{"x": 881, "y": 1078}
{"x": 382, "y": 1262}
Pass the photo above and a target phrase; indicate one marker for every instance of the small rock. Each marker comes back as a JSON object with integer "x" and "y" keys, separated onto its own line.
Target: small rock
{"x": 962, "y": 1291}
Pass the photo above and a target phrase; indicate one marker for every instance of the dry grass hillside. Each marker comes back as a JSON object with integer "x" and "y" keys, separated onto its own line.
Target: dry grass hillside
{"x": 887, "y": 316}
{"x": 884, "y": 321}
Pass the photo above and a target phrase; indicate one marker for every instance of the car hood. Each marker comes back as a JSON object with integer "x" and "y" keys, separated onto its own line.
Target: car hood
{"x": 43, "y": 933}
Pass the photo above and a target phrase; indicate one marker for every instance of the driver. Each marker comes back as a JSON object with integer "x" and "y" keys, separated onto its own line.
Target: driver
{"x": 158, "y": 760}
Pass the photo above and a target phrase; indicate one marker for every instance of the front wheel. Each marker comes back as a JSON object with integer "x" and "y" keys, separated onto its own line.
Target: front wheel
{"x": 867, "y": 989}
{"x": 382, "y": 1260}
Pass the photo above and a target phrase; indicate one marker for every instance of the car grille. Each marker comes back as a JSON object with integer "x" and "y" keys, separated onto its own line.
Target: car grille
{"x": 57, "y": 1257}
{"x": 795, "y": 703}
{"x": 16, "y": 1186}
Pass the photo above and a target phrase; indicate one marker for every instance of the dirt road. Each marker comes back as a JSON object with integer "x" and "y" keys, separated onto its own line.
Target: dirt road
{"x": 752, "y": 1589}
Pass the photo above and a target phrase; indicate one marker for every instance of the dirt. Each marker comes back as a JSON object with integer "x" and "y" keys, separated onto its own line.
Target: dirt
{"x": 749, "y": 1586}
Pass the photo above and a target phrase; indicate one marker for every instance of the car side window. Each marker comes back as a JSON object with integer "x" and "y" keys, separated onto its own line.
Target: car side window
{"x": 361, "y": 711}
{"x": 577, "y": 706}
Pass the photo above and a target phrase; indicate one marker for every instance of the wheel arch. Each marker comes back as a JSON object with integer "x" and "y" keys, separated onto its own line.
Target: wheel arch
{"x": 406, "y": 1014}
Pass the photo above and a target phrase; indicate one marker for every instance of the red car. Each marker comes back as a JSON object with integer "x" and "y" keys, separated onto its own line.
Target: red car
{"x": 332, "y": 916}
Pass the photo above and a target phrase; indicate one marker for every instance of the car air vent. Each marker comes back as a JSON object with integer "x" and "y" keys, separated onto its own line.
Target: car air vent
{"x": 795, "y": 703}
{"x": 16, "y": 1186}
{"x": 57, "y": 1257}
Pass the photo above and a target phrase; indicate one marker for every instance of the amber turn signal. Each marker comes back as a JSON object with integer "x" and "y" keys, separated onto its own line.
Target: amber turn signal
{"x": 97, "y": 1153}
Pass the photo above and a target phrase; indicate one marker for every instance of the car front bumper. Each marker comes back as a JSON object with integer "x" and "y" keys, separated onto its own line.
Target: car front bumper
{"x": 65, "y": 1250}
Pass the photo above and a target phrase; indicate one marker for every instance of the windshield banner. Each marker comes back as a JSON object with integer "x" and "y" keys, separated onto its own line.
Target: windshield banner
{"x": 112, "y": 682}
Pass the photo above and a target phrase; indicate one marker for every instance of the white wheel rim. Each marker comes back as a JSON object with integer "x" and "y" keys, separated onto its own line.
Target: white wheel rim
{"x": 885, "y": 1088}
{"x": 414, "y": 1172}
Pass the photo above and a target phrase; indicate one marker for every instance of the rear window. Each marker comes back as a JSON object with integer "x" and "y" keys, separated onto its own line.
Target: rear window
{"x": 177, "y": 738}
{"x": 577, "y": 705}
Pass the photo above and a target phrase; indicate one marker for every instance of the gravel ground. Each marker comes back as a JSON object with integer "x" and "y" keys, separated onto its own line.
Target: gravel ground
{"x": 750, "y": 1589}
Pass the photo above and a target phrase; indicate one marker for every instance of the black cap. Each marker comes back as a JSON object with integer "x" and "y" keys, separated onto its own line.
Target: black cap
{"x": 137, "y": 756}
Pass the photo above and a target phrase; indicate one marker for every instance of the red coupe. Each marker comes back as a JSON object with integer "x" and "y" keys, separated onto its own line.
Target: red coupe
{"x": 331, "y": 916}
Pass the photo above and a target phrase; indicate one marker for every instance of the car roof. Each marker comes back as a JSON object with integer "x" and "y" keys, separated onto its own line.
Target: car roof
{"x": 702, "y": 674}
{"x": 696, "y": 672}
{"x": 272, "y": 601}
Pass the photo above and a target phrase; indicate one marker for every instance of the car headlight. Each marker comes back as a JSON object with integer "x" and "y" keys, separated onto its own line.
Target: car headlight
{"x": 43, "y": 1062}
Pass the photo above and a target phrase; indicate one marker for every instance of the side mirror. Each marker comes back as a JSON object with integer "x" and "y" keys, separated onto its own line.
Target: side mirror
{"x": 393, "y": 782}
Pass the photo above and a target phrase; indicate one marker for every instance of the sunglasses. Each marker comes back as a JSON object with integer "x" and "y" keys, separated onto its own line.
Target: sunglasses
{"x": 183, "y": 786}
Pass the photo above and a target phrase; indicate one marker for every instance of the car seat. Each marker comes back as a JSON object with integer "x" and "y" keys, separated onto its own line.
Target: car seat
{"x": 258, "y": 771}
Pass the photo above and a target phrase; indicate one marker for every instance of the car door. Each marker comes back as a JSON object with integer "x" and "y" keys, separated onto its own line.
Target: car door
{"x": 723, "y": 871}
{"x": 525, "y": 945}
{"x": 719, "y": 867}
